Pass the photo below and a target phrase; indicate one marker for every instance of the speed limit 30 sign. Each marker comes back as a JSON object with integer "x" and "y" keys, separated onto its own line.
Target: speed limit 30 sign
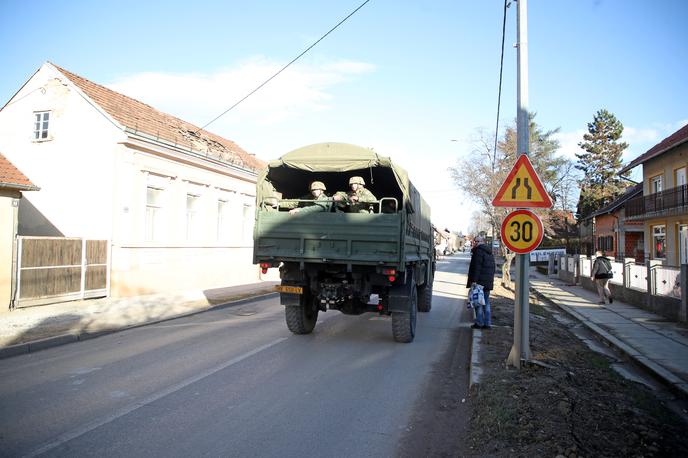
{"x": 522, "y": 231}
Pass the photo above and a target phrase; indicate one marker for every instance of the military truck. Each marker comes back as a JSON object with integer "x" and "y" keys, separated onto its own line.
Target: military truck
{"x": 380, "y": 260}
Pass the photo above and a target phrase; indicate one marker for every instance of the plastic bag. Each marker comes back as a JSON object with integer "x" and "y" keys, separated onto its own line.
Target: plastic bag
{"x": 476, "y": 296}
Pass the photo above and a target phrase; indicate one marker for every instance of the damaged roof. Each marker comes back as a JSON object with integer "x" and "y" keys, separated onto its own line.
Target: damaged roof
{"x": 12, "y": 177}
{"x": 141, "y": 118}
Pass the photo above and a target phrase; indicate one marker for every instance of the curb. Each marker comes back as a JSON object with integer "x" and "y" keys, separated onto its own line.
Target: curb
{"x": 675, "y": 384}
{"x": 475, "y": 371}
{"x": 50, "y": 342}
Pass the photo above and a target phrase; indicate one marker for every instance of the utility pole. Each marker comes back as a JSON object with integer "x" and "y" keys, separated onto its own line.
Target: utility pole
{"x": 520, "y": 351}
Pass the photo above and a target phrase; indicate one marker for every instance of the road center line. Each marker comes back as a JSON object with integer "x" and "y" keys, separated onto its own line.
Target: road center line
{"x": 66, "y": 437}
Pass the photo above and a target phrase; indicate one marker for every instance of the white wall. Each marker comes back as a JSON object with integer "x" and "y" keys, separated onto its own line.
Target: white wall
{"x": 93, "y": 180}
{"x": 74, "y": 168}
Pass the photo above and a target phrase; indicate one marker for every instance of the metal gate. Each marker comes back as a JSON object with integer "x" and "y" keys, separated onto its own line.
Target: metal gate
{"x": 59, "y": 269}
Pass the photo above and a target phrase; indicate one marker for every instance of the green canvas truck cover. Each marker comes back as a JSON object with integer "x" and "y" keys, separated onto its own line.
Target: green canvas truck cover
{"x": 337, "y": 157}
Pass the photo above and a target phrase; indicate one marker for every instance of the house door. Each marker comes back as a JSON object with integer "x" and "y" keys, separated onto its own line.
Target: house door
{"x": 681, "y": 185}
{"x": 681, "y": 176}
{"x": 683, "y": 243}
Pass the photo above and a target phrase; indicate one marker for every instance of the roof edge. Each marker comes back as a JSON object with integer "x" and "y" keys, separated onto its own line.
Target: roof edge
{"x": 641, "y": 160}
{"x": 20, "y": 187}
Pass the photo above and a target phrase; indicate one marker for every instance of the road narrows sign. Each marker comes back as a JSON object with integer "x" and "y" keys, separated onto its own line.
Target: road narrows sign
{"x": 522, "y": 187}
{"x": 522, "y": 231}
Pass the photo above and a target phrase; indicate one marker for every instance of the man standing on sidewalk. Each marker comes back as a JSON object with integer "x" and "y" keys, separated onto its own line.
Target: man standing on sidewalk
{"x": 481, "y": 271}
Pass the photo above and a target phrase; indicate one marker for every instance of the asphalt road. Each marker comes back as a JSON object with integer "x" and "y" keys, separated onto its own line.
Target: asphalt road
{"x": 232, "y": 382}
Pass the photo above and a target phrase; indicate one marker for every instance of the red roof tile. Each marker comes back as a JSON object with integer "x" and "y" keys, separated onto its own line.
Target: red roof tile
{"x": 11, "y": 177}
{"x": 672, "y": 141}
{"x": 143, "y": 118}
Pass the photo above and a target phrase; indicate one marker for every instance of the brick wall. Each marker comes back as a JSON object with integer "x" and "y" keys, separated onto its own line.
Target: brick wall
{"x": 604, "y": 227}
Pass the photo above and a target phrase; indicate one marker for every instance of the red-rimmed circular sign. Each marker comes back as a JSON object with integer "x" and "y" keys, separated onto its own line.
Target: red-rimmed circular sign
{"x": 522, "y": 231}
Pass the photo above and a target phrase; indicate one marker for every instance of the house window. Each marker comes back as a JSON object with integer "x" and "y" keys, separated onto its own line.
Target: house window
{"x": 247, "y": 222}
{"x": 40, "y": 125}
{"x": 656, "y": 184}
{"x": 223, "y": 219}
{"x": 681, "y": 176}
{"x": 605, "y": 243}
{"x": 192, "y": 217}
{"x": 154, "y": 209}
{"x": 659, "y": 241}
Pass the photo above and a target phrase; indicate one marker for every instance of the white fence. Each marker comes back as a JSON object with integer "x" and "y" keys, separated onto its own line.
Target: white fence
{"x": 617, "y": 270}
{"x": 664, "y": 280}
{"x": 667, "y": 281}
{"x": 637, "y": 277}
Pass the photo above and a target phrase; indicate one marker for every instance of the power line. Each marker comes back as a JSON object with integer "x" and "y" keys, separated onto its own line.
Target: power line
{"x": 283, "y": 68}
{"x": 501, "y": 68}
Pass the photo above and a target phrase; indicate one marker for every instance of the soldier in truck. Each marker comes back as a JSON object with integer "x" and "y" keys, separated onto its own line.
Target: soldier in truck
{"x": 358, "y": 199}
{"x": 321, "y": 203}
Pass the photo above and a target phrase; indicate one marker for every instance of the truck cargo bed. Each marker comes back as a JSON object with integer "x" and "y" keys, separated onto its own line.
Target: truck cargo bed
{"x": 329, "y": 237}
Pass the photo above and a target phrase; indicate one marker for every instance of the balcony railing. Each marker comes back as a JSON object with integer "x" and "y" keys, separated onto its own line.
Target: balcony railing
{"x": 674, "y": 198}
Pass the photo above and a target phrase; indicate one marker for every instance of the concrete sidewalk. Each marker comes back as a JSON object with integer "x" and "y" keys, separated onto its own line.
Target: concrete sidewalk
{"x": 655, "y": 343}
{"x": 30, "y": 329}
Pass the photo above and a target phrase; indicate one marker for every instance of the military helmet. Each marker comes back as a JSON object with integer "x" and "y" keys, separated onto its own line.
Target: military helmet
{"x": 318, "y": 185}
{"x": 357, "y": 180}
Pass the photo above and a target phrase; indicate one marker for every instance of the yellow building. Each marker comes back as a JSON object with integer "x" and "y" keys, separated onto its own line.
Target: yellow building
{"x": 664, "y": 204}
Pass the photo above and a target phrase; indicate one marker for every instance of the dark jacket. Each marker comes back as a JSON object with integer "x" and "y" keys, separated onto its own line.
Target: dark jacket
{"x": 602, "y": 266}
{"x": 482, "y": 268}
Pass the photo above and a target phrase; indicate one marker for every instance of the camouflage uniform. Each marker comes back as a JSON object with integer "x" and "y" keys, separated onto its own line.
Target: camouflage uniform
{"x": 364, "y": 203}
{"x": 365, "y": 198}
{"x": 322, "y": 203}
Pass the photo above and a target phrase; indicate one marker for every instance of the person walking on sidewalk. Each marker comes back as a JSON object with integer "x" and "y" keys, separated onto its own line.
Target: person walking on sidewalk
{"x": 602, "y": 272}
{"x": 481, "y": 271}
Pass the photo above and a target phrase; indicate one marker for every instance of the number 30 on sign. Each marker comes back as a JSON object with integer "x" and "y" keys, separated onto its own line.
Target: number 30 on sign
{"x": 522, "y": 231}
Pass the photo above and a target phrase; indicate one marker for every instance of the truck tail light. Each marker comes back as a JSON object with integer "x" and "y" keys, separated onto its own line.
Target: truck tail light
{"x": 264, "y": 267}
{"x": 391, "y": 274}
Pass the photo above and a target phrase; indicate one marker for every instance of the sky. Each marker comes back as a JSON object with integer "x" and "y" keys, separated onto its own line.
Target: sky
{"x": 414, "y": 80}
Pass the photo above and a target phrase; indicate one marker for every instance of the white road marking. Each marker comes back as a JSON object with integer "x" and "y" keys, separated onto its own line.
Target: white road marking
{"x": 80, "y": 431}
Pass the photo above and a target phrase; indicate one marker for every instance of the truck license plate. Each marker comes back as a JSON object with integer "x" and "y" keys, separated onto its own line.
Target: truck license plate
{"x": 289, "y": 289}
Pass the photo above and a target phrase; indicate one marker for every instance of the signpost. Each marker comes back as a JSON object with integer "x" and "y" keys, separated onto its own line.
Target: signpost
{"x": 522, "y": 230}
{"x": 522, "y": 187}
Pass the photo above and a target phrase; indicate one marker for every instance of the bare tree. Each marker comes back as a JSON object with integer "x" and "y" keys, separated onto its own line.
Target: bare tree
{"x": 479, "y": 176}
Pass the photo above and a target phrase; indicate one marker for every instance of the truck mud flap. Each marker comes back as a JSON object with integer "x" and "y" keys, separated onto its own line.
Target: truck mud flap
{"x": 399, "y": 295}
{"x": 289, "y": 299}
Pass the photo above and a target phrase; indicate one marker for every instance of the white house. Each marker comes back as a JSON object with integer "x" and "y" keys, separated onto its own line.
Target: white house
{"x": 175, "y": 204}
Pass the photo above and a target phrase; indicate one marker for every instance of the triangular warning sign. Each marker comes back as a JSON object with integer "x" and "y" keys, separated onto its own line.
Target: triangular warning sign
{"x": 522, "y": 188}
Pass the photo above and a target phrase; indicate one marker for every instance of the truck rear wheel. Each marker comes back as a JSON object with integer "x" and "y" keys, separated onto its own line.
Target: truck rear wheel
{"x": 404, "y": 323}
{"x": 301, "y": 318}
{"x": 425, "y": 297}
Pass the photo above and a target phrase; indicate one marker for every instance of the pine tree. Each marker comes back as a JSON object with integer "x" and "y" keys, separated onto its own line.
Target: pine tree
{"x": 601, "y": 163}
